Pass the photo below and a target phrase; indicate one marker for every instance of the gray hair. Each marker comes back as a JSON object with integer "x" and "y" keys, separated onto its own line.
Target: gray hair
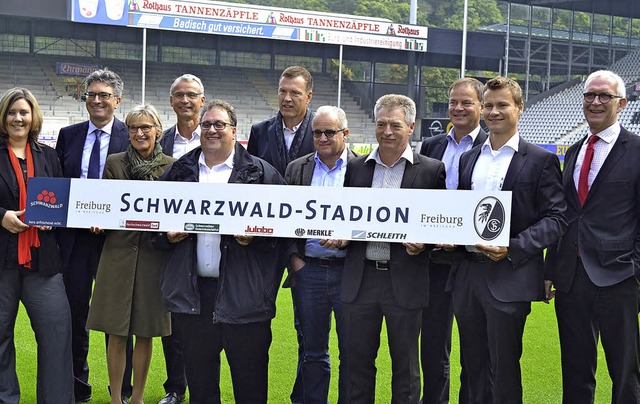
{"x": 393, "y": 101}
{"x": 610, "y": 76}
{"x": 108, "y": 77}
{"x": 187, "y": 77}
{"x": 336, "y": 112}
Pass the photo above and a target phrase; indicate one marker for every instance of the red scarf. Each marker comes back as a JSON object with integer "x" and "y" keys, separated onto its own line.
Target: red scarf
{"x": 28, "y": 238}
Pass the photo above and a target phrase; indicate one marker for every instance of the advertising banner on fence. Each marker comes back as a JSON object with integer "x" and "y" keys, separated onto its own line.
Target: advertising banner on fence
{"x": 380, "y": 214}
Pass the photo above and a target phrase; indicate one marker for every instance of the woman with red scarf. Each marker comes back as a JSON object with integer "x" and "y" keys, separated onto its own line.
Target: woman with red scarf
{"x": 30, "y": 265}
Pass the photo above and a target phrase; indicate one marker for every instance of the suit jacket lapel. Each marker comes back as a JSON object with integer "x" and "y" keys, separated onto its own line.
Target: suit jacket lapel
{"x": 119, "y": 136}
{"x": 517, "y": 162}
{"x": 467, "y": 173}
{"x": 567, "y": 172}
{"x": 440, "y": 147}
{"x": 307, "y": 170}
{"x": 410, "y": 172}
{"x": 616, "y": 153}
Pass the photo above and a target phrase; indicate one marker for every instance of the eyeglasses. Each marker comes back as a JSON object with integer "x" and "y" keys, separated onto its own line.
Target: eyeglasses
{"x": 191, "y": 96}
{"x": 328, "y": 133}
{"x": 217, "y": 125}
{"x": 101, "y": 96}
{"x": 144, "y": 128}
{"x": 603, "y": 97}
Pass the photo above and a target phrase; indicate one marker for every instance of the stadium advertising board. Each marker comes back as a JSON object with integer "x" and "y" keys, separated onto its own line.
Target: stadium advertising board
{"x": 212, "y": 17}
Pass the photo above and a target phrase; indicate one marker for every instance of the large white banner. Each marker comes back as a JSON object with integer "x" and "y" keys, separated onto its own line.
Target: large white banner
{"x": 381, "y": 214}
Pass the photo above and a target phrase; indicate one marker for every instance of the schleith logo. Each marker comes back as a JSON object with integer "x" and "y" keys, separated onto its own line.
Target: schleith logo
{"x": 489, "y": 218}
{"x": 300, "y": 232}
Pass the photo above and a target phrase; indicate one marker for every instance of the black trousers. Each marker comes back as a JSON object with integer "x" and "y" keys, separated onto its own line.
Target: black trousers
{"x": 246, "y": 347}
{"x": 176, "y": 379}
{"x": 490, "y": 337}
{"x": 435, "y": 339}
{"x": 363, "y": 324}
{"x": 588, "y": 312}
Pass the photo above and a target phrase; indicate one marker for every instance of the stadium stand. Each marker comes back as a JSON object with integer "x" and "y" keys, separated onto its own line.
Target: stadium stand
{"x": 558, "y": 118}
{"x": 252, "y": 92}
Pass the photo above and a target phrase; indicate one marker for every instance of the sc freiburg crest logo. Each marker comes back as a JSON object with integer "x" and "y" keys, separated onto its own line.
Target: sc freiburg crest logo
{"x": 489, "y": 218}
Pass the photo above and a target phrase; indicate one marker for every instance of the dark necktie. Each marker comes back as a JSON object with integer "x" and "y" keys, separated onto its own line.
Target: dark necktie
{"x": 94, "y": 159}
{"x": 583, "y": 180}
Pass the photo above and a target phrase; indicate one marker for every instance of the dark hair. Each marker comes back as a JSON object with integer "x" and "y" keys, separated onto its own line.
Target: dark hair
{"x": 470, "y": 82}
{"x": 7, "y": 100}
{"x": 223, "y": 105}
{"x": 499, "y": 82}
{"x": 108, "y": 77}
{"x": 292, "y": 72}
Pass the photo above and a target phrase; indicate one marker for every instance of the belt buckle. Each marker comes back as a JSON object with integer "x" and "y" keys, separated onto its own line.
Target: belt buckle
{"x": 382, "y": 265}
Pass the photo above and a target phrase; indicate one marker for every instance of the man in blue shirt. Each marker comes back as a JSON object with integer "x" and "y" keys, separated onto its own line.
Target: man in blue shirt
{"x": 319, "y": 263}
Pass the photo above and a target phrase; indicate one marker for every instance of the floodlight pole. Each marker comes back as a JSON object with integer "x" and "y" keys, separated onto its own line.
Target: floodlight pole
{"x": 144, "y": 62}
{"x": 340, "y": 77}
{"x": 463, "y": 67}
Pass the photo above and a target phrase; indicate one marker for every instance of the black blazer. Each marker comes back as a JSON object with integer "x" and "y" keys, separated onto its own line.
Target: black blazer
{"x": 435, "y": 146}
{"x": 263, "y": 143}
{"x": 537, "y": 220}
{"x": 409, "y": 274}
{"x": 45, "y": 164}
{"x": 607, "y": 228}
{"x": 168, "y": 140}
{"x": 69, "y": 148}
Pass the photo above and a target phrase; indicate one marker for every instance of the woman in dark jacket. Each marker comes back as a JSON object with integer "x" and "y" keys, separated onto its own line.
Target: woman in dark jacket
{"x": 30, "y": 261}
{"x": 126, "y": 297}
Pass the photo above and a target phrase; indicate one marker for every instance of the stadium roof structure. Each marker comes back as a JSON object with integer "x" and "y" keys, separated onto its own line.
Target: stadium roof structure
{"x": 629, "y": 9}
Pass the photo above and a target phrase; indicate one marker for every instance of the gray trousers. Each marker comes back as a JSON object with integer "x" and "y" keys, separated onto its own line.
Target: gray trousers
{"x": 48, "y": 309}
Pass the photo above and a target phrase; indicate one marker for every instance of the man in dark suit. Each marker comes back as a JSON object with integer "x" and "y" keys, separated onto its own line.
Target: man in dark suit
{"x": 280, "y": 140}
{"x": 82, "y": 150}
{"x": 318, "y": 264}
{"x": 596, "y": 266}
{"x": 186, "y": 99}
{"x": 382, "y": 279}
{"x": 465, "y": 110}
{"x": 286, "y": 136}
{"x": 493, "y": 287}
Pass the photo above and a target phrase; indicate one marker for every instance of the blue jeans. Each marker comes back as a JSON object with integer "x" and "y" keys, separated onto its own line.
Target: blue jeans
{"x": 317, "y": 294}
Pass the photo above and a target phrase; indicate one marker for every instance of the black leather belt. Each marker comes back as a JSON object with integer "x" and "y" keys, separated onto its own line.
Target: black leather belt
{"x": 379, "y": 265}
{"x": 326, "y": 262}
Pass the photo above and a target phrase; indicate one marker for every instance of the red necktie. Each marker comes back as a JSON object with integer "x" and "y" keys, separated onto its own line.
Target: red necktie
{"x": 583, "y": 180}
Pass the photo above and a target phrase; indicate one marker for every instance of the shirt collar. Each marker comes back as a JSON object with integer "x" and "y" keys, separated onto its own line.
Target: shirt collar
{"x": 339, "y": 163}
{"x": 608, "y": 134}
{"x": 106, "y": 128}
{"x": 195, "y": 134}
{"x": 512, "y": 143}
{"x": 227, "y": 163}
{"x": 473, "y": 135}
{"x": 407, "y": 154}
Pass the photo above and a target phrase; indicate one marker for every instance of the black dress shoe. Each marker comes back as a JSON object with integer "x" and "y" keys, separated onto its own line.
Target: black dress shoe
{"x": 172, "y": 398}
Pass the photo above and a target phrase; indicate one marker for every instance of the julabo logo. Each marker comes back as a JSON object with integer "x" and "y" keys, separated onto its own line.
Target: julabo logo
{"x": 489, "y": 218}
{"x": 258, "y": 230}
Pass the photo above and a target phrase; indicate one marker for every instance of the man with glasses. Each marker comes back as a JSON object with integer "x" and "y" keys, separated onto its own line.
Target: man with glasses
{"x": 280, "y": 140}
{"x": 596, "y": 265}
{"x": 186, "y": 97}
{"x": 82, "y": 150}
{"x": 221, "y": 290}
{"x": 318, "y": 263}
